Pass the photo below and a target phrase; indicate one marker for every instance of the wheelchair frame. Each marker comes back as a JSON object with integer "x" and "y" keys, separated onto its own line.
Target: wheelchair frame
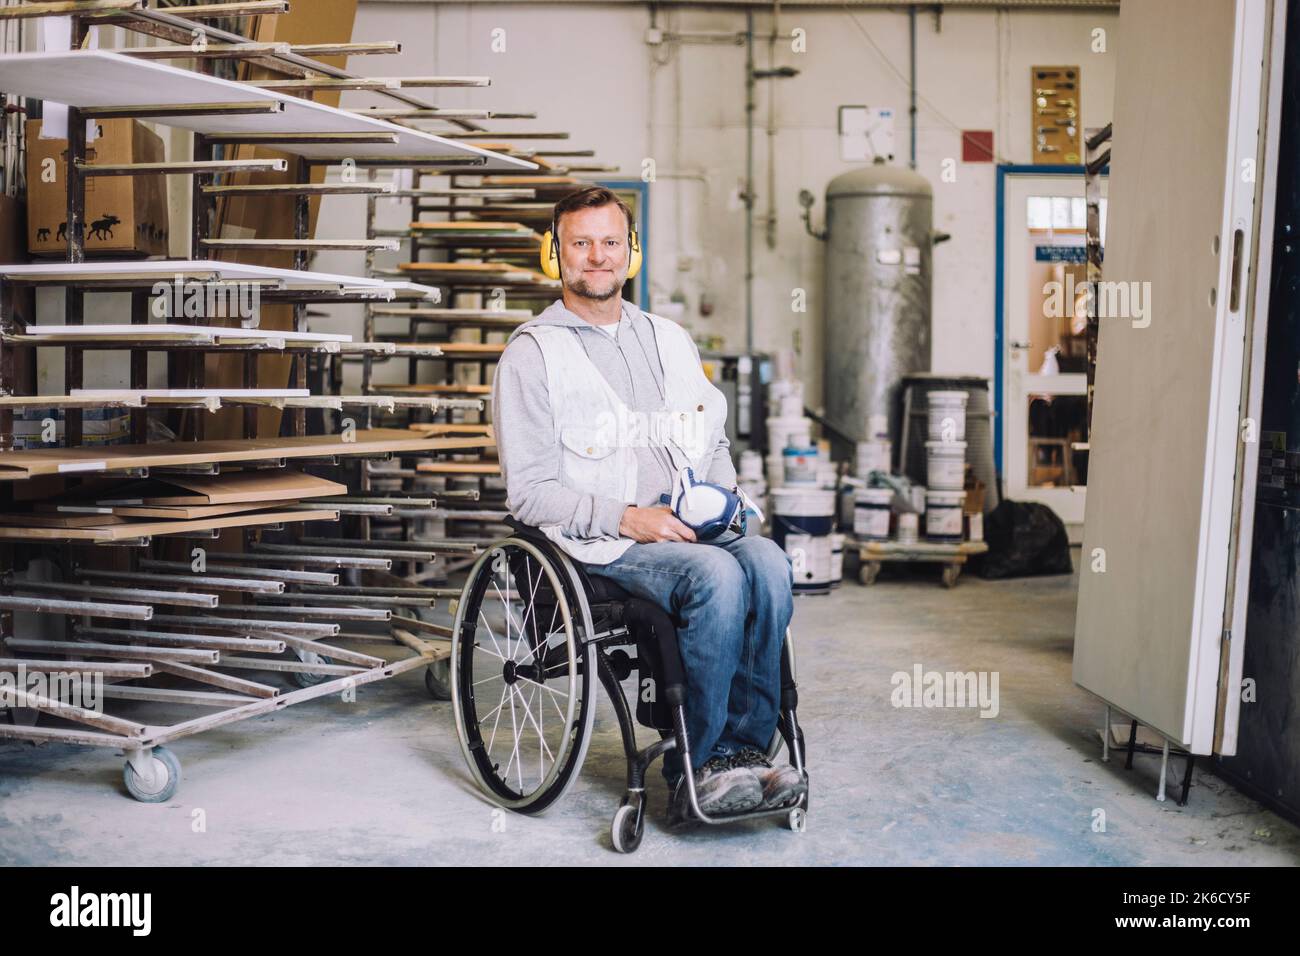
{"x": 593, "y": 643}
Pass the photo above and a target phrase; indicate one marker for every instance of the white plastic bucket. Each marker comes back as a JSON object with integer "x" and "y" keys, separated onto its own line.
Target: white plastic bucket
{"x": 837, "y": 559}
{"x": 871, "y": 513}
{"x": 908, "y": 523}
{"x": 801, "y": 510}
{"x": 871, "y": 456}
{"x": 947, "y": 420}
{"x": 945, "y": 465}
{"x": 810, "y": 562}
{"x": 800, "y": 465}
{"x": 976, "y": 526}
{"x": 943, "y": 514}
{"x": 751, "y": 465}
{"x": 786, "y": 431}
{"x": 775, "y": 469}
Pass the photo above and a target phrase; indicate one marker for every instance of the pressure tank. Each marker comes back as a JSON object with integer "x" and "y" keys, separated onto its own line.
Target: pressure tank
{"x": 879, "y": 224}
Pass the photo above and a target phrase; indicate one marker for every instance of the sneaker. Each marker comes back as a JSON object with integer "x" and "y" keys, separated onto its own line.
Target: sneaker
{"x": 721, "y": 789}
{"x": 782, "y": 785}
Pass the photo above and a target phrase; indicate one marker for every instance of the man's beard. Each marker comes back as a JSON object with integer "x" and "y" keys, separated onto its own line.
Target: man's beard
{"x": 580, "y": 286}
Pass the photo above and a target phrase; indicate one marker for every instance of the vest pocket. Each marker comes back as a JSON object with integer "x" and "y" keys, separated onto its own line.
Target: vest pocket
{"x": 589, "y": 460}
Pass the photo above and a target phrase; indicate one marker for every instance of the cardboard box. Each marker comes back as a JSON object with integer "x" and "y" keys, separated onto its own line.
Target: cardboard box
{"x": 125, "y": 215}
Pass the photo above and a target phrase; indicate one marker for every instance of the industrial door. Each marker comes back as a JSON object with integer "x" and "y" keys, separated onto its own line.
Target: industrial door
{"x": 1190, "y": 175}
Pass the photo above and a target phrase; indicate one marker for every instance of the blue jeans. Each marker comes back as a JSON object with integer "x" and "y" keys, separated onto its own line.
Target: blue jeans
{"x": 735, "y": 599}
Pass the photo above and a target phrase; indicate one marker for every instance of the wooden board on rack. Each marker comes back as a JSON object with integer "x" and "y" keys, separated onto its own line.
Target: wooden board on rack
{"x": 17, "y": 465}
{"x": 437, "y": 388}
{"x": 148, "y": 529}
{"x": 239, "y": 487}
{"x": 453, "y": 428}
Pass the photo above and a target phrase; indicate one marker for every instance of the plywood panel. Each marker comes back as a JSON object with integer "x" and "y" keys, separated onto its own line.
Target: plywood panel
{"x": 1166, "y": 391}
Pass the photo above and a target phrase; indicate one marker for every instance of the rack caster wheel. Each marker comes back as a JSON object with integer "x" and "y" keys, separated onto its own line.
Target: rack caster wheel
{"x": 951, "y": 572}
{"x": 797, "y": 819}
{"x": 627, "y": 827}
{"x": 867, "y": 573}
{"x": 309, "y": 680}
{"x": 161, "y": 785}
{"x": 437, "y": 679}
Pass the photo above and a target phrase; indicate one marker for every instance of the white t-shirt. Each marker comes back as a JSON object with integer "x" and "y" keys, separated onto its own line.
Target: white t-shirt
{"x": 612, "y": 329}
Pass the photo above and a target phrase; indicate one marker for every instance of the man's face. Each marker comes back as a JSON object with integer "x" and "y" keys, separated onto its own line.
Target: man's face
{"x": 594, "y": 252}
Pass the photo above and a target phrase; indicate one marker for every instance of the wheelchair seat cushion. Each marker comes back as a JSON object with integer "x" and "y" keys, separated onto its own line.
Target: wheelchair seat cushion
{"x": 606, "y": 589}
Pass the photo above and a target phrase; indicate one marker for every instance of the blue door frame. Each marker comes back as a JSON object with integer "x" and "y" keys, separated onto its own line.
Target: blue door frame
{"x": 999, "y": 292}
{"x": 642, "y": 230}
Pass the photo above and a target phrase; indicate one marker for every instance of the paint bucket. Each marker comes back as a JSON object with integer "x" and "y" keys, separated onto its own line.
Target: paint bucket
{"x": 945, "y": 465}
{"x": 751, "y": 466}
{"x": 872, "y": 456}
{"x": 918, "y": 499}
{"x": 975, "y": 526}
{"x": 947, "y": 415}
{"x": 810, "y": 562}
{"x": 871, "y": 513}
{"x": 827, "y": 474}
{"x": 908, "y": 523}
{"x": 783, "y": 432}
{"x": 802, "y": 510}
{"x": 756, "y": 489}
{"x": 775, "y": 467}
{"x": 837, "y": 559}
{"x": 800, "y": 464}
{"x": 943, "y": 515}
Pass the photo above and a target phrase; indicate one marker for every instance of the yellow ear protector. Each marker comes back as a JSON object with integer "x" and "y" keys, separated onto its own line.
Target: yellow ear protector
{"x": 549, "y": 256}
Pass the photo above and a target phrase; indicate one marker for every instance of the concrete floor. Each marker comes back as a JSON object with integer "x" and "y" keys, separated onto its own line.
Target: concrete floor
{"x": 382, "y": 781}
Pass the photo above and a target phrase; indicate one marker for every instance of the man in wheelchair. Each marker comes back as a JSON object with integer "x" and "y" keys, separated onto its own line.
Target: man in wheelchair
{"x": 599, "y": 410}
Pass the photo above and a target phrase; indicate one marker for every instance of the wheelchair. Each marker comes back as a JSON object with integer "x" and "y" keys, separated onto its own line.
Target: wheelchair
{"x": 533, "y": 632}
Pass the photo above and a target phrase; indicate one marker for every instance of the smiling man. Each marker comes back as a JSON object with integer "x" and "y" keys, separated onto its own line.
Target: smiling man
{"x": 586, "y": 400}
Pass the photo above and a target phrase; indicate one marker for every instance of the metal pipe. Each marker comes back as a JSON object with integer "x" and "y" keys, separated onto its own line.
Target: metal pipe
{"x": 911, "y": 81}
{"x": 125, "y": 612}
{"x": 170, "y": 598}
{"x": 280, "y": 574}
{"x": 203, "y": 580}
{"x": 248, "y": 626}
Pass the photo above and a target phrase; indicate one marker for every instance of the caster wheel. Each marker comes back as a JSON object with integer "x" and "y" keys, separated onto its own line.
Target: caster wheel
{"x": 867, "y": 573}
{"x": 626, "y": 829}
{"x": 309, "y": 680}
{"x": 437, "y": 679}
{"x": 797, "y": 820}
{"x": 166, "y": 778}
{"x": 950, "y": 574}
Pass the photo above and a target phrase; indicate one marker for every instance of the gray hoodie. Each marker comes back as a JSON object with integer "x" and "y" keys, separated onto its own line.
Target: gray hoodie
{"x": 525, "y": 430}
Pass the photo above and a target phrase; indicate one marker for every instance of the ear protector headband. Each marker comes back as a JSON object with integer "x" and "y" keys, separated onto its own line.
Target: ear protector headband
{"x": 549, "y": 256}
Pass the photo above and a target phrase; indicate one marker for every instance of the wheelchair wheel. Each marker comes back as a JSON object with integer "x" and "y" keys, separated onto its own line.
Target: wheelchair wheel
{"x": 522, "y": 682}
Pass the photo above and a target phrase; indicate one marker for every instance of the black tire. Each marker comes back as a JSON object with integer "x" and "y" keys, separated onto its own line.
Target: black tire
{"x": 437, "y": 679}
{"x": 540, "y": 640}
{"x": 139, "y": 788}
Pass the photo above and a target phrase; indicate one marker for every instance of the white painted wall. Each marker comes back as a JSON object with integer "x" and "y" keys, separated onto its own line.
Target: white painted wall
{"x": 585, "y": 67}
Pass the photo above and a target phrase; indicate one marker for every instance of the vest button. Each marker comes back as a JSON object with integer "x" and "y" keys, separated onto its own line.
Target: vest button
{"x": 589, "y": 451}
{"x": 699, "y": 408}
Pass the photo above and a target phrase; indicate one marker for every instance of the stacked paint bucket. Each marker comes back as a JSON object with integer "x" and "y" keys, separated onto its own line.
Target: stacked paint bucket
{"x": 749, "y": 476}
{"x": 945, "y": 466}
{"x": 802, "y": 492}
{"x": 871, "y": 506}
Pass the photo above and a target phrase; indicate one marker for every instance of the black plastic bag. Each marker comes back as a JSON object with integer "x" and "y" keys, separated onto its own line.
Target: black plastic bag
{"x": 1025, "y": 539}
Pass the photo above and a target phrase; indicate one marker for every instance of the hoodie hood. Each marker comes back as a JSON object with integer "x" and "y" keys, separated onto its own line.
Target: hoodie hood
{"x": 558, "y": 314}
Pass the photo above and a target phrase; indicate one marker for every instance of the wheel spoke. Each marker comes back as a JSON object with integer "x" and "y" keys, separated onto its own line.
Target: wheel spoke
{"x": 497, "y": 710}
